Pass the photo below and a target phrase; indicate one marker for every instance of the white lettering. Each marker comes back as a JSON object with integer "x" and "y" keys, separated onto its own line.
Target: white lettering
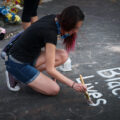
{"x": 114, "y": 91}
{"x": 95, "y": 95}
{"x": 109, "y": 73}
{"x": 112, "y": 85}
{"x": 113, "y": 79}
{"x": 99, "y": 101}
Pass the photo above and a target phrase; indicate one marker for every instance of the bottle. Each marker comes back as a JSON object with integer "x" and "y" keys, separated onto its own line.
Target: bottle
{"x": 66, "y": 66}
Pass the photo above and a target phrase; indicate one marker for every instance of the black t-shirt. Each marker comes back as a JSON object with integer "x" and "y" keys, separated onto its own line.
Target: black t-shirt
{"x": 28, "y": 46}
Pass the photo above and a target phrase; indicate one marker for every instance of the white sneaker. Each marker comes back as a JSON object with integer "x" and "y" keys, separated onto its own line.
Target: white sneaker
{"x": 11, "y": 82}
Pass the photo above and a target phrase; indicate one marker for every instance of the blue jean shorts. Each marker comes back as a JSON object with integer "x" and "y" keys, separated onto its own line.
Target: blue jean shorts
{"x": 23, "y": 72}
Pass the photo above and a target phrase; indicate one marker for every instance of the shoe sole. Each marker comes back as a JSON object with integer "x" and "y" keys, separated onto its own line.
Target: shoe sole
{"x": 16, "y": 88}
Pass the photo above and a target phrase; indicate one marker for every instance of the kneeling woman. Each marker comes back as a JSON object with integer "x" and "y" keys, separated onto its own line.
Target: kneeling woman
{"x": 26, "y": 60}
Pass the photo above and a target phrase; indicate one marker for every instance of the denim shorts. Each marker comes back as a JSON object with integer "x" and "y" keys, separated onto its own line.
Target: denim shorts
{"x": 23, "y": 72}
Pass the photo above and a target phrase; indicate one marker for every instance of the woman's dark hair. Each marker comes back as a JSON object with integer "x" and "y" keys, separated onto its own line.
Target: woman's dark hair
{"x": 68, "y": 20}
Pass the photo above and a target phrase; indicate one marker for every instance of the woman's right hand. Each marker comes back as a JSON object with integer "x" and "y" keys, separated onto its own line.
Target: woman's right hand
{"x": 80, "y": 87}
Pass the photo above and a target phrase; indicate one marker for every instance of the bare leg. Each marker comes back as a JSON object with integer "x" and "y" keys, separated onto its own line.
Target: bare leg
{"x": 34, "y": 19}
{"x": 26, "y": 25}
{"x": 60, "y": 58}
{"x": 44, "y": 85}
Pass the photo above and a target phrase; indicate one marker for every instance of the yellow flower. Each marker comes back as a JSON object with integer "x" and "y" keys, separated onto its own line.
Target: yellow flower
{"x": 9, "y": 16}
{"x": 18, "y": 1}
{"x": 17, "y": 18}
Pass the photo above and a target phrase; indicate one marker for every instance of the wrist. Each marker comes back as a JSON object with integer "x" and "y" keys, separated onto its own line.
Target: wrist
{"x": 73, "y": 84}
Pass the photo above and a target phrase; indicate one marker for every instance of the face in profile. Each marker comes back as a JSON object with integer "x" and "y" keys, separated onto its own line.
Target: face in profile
{"x": 77, "y": 27}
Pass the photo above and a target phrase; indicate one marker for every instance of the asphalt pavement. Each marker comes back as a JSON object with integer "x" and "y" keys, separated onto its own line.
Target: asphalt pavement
{"x": 96, "y": 57}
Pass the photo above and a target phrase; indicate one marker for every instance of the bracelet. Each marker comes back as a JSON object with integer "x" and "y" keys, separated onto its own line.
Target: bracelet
{"x": 73, "y": 84}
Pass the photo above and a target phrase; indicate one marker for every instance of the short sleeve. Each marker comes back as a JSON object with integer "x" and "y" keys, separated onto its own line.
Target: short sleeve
{"x": 50, "y": 37}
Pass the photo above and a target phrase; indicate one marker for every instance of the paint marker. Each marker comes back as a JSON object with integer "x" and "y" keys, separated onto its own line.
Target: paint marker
{"x": 89, "y": 101}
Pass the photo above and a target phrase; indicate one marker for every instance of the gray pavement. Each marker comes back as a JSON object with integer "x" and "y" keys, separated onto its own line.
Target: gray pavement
{"x": 96, "y": 57}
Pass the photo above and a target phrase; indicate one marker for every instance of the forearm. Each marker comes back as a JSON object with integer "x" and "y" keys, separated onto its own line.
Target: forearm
{"x": 56, "y": 74}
